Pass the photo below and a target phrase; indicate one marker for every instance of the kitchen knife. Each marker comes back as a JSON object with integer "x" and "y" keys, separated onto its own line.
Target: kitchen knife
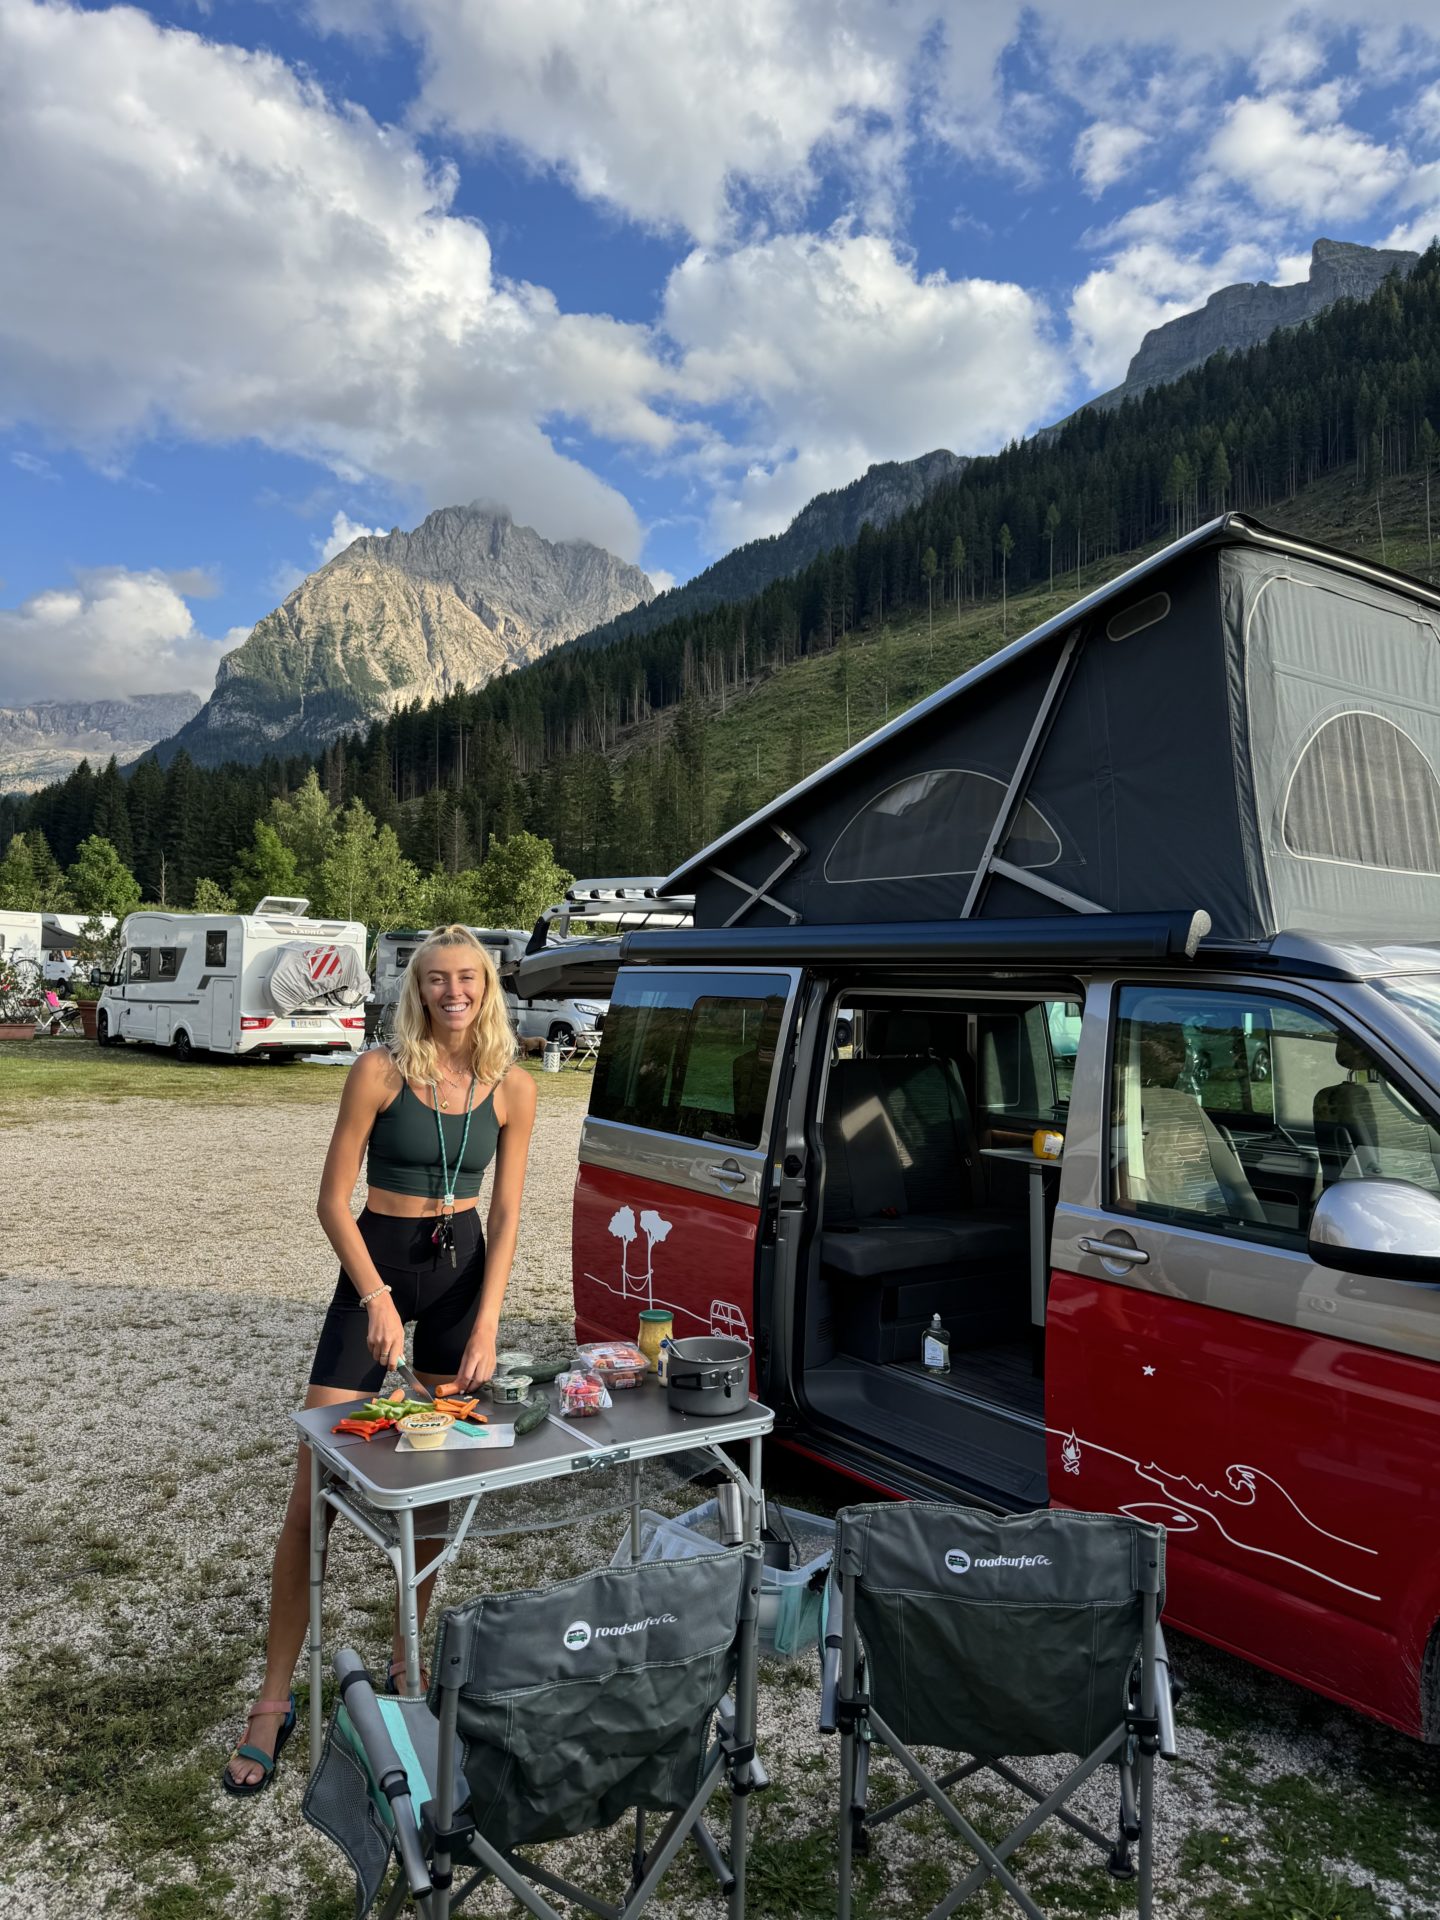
{"x": 413, "y": 1381}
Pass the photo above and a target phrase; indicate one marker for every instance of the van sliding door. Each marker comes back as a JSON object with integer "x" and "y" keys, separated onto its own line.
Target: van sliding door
{"x": 674, "y": 1156}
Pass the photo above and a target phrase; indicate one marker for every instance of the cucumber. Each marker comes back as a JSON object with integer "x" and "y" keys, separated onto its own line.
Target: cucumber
{"x": 533, "y": 1414}
{"x": 544, "y": 1371}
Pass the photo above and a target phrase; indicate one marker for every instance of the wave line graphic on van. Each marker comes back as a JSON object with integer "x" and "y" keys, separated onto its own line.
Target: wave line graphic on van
{"x": 1246, "y": 1501}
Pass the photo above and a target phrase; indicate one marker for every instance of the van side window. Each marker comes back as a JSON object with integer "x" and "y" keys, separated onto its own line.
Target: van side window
{"x": 217, "y": 943}
{"x": 680, "y": 1059}
{"x": 1232, "y": 1113}
{"x": 137, "y": 964}
{"x": 1026, "y": 1060}
{"x": 167, "y": 962}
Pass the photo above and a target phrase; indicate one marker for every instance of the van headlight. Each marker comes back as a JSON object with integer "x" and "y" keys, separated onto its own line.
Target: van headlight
{"x": 590, "y": 1013}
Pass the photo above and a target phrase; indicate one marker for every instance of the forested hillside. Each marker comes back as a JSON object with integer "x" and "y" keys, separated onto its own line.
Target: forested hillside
{"x": 629, "y": 756}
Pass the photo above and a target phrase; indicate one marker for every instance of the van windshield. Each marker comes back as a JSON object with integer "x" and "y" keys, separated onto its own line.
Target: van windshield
{"x": 1419, "y": 995}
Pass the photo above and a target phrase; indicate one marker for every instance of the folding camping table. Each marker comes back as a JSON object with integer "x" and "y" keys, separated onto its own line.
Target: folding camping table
{"x": 639, "y": 1426}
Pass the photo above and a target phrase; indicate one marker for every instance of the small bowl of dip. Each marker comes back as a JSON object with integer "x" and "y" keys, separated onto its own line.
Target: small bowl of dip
{"x": 425, "y": 1431}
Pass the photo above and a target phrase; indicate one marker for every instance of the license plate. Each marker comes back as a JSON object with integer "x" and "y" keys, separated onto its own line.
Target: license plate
{"x": 308, "y": 1020}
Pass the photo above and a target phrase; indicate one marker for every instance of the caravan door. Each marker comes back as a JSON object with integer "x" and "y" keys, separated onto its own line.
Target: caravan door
{"x": 674, "y": 1157}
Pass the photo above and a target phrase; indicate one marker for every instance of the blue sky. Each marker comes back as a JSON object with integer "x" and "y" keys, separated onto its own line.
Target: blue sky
{"x": 647, "y": 272}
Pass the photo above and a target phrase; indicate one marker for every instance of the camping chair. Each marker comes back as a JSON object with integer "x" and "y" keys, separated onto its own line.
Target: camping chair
{"x": 551, "y": 1714}
{"x": 59, "y": 1016}
{"x": 994, "y": 1635}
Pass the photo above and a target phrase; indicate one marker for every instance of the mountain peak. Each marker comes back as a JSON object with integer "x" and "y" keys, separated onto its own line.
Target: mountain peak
{"x": 403, "y": 616}
{"x": 1247, "y": 313}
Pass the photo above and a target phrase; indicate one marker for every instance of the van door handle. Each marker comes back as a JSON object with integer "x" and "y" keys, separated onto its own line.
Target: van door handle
{"x": 1115, "y": 1250}
{"x": 729, "y": 1175}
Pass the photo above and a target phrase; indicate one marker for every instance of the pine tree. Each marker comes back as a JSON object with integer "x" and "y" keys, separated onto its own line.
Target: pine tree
{"x": 1007, "y": 547}
{"x": 19, "y": 889}
{"x": 1052, "y": 527}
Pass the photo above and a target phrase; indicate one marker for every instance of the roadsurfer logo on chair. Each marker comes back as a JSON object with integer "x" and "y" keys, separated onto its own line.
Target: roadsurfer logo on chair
{"x": 958, "y": 1561}
{"x": 580, "y": 1633}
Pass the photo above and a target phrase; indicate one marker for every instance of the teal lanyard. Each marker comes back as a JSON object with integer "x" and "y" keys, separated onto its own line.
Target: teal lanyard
{"x": 448, "y": 1201}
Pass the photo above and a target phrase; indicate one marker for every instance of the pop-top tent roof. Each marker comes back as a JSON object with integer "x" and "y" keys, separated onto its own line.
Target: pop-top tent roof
{"x": 1246, "y": 723}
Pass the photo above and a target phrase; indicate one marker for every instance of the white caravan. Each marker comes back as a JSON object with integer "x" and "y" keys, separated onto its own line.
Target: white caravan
{"x": 270, "y": 982}
{"x": 20, "y": 936}
{"x": 550, "y": 1018}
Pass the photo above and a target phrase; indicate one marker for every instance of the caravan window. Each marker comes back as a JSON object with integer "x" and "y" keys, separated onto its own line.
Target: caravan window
{"x": 691, "y": 1054}
{"x": 934, "y": 824}
{"x": 167, "y": 962}
{"x": 1231, "y": 1112}
{"x": 137, "y": 964}
{"x": 217, "y": 943}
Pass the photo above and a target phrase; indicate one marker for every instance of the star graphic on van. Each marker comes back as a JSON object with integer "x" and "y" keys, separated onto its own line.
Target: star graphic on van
{"x": 1147, "y": 1371}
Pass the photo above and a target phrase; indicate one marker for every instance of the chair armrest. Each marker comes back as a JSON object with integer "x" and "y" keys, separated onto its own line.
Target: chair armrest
{"x": 357, "y": 1692}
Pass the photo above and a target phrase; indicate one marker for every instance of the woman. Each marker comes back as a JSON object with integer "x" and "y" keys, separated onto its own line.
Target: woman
{"x": 434, "y": 1109}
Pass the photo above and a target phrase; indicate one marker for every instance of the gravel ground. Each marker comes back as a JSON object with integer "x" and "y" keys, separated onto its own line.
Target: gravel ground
{"x": 176, "y": 1246}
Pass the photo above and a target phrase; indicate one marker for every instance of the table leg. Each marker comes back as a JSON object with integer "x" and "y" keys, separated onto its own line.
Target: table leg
{"x": 409, "y": 1601}
{"x": 317, "y": 1594}
{"x": 747, "y": 1677}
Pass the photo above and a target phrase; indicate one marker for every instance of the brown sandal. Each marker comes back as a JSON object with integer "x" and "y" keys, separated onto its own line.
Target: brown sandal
{"x": 247, "y": 1750}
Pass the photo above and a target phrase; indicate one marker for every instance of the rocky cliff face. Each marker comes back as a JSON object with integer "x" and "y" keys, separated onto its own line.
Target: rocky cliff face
{"x": 880, "y": 495}
{"x": 1242, "y": 316}
{"x": 43, "y": 743}
{"x": 401, "y": 617}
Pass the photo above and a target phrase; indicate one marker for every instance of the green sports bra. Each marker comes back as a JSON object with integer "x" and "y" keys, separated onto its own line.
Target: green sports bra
{"x": 404, "y": 1152}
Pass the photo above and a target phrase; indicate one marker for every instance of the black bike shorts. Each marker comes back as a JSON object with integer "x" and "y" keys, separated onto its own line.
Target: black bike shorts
{"x": 442, "y": 1300}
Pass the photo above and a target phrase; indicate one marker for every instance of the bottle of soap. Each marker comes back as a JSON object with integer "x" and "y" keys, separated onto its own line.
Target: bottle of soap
{"x": 935, "y": 1349}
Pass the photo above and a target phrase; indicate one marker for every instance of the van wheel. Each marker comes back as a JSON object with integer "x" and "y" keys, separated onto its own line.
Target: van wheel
{"x": 102, "y": 1030}
{"x": 184, "y": 1051}
{"x": 562, "y": 1034}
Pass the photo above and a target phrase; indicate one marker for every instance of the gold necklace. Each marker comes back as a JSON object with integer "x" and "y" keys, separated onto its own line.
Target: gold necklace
{"x": 462, "y": 1081}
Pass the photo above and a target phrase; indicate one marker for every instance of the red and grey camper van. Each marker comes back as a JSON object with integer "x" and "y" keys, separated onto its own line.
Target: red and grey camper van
{"x": 1161, "y": 881}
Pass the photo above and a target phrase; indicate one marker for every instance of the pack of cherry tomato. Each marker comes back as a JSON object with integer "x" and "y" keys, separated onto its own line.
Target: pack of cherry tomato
{"x": 618, "y": 1363}
{"x": 582, "y": 1393}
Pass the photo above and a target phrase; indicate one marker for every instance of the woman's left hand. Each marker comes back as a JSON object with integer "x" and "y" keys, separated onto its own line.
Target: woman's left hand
{"x": 477, "y": 1363}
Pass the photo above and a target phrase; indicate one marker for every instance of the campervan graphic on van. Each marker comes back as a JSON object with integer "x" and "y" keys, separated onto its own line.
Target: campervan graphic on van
{"x": 272, "y": 982}
{"x": 1158, "y": 885}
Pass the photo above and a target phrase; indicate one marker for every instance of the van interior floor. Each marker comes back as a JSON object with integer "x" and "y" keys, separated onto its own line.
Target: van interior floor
{"x": 963, "y": 1431}
{"x": 1002, "y": 1371}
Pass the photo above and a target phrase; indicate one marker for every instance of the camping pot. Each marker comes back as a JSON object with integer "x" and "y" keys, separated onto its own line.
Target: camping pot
{"x": 709, "y": 1376}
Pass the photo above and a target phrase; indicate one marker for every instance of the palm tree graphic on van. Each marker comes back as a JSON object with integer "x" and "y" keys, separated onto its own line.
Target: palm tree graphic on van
{"x": 655, "y": 1229}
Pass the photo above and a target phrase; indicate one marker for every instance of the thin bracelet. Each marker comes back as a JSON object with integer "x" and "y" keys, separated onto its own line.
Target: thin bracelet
{"x": 375, "y": 1293}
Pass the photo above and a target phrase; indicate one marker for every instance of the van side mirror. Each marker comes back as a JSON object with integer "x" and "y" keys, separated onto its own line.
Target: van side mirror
{"x": 1386, "y": 1229}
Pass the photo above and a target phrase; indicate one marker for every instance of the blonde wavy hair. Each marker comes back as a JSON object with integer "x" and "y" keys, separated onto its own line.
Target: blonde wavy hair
{"x": 491, "y": 1037}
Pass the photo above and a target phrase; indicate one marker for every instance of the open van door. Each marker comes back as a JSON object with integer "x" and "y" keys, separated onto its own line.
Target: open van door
{"x": 675, "y": 1156}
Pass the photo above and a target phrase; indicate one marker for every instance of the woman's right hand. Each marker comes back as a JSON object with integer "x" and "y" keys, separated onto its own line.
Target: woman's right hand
{"x": 386, "y": 1334}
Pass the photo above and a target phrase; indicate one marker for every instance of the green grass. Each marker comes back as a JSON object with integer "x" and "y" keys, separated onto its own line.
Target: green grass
{"x": 61, "y": 1071}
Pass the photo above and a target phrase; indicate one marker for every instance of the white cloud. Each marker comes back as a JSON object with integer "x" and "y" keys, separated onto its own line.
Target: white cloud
{"x": 662, "y": 110}
{"x": 1297, "y": 159}
{"x": 343, "y": 530}
{"x": 1289, "y": 60}
{"x": 1424, "y": 115}
{"x": 207, "y": 246}
{"x": 838, "y": 353}
{"x": 112, "y": 634}
{"x": 1104, "y": 151}
{"x": 661, "y": 579}
{"x": 32, "y": 464}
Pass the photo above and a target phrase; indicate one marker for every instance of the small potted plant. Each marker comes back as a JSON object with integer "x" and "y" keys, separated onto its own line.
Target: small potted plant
{"x": 20, "y": 998}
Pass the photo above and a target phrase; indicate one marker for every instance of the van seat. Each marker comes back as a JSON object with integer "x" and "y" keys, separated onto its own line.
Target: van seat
{"x": 898, "y": 1144}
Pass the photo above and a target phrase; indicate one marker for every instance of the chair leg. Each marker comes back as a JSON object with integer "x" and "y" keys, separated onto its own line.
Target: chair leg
{"x": 847, "y": 1830}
